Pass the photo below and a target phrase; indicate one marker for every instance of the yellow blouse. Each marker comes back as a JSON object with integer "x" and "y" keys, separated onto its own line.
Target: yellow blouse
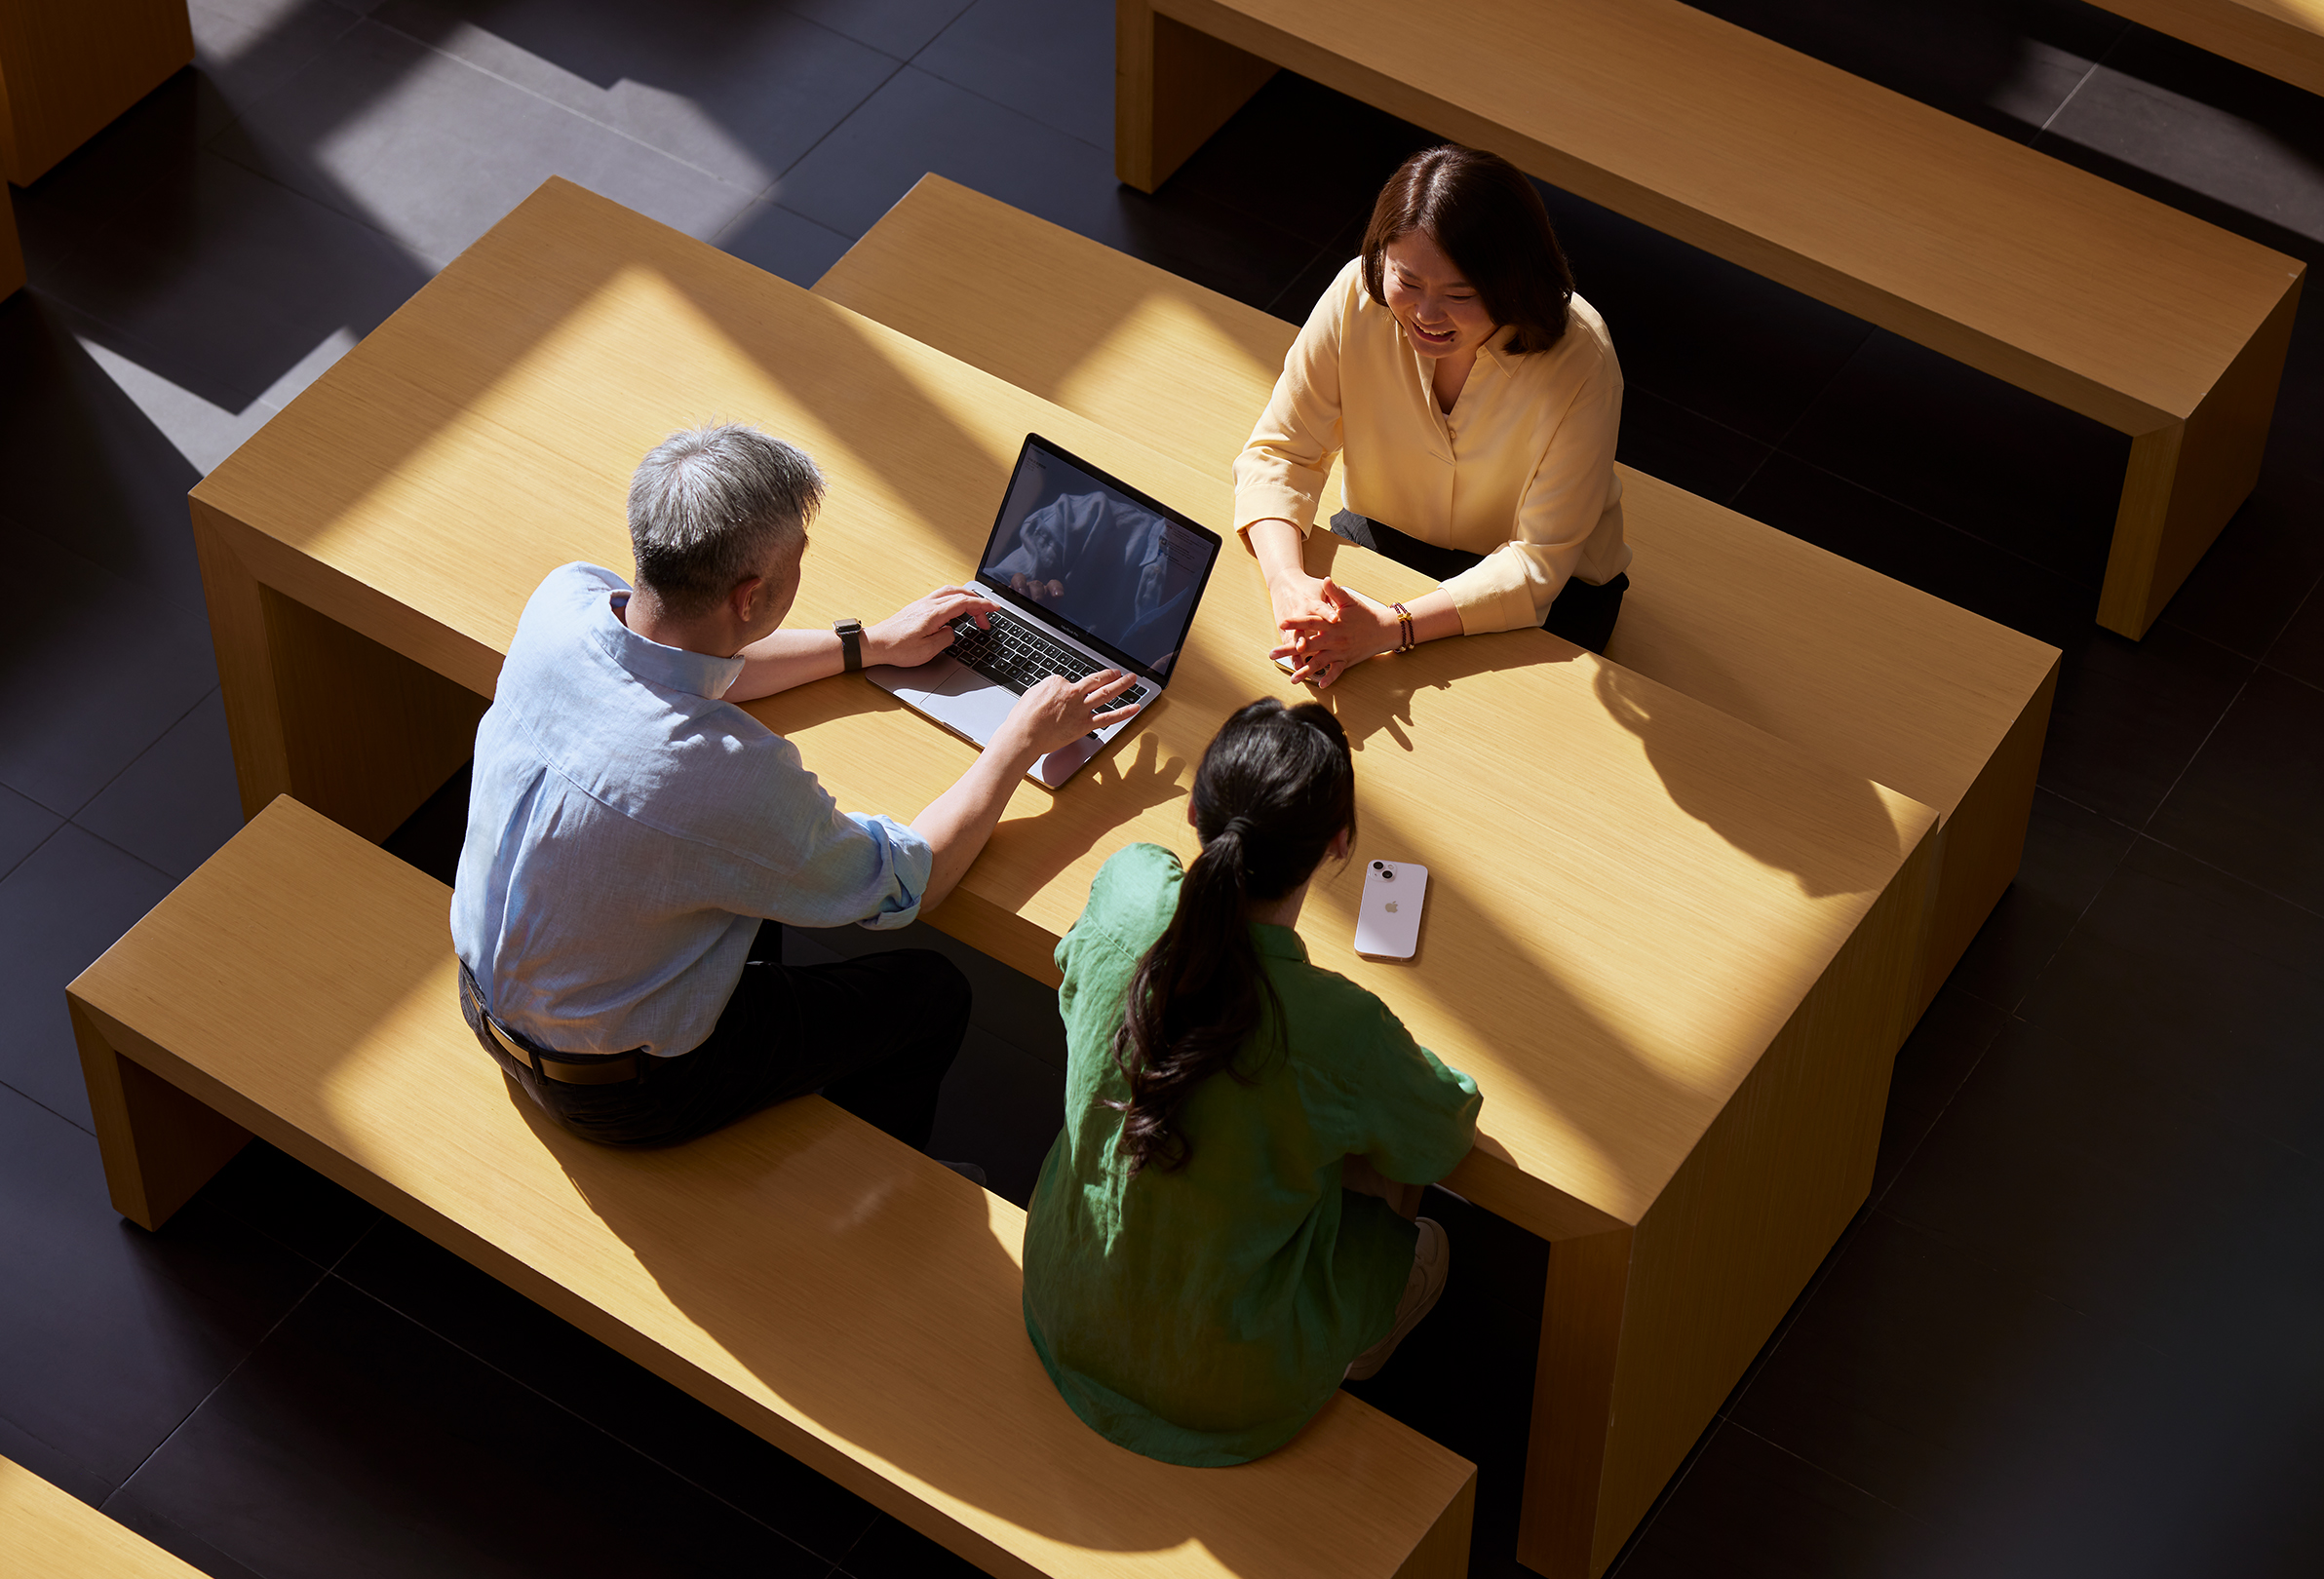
{"x": 1522, "y": 470}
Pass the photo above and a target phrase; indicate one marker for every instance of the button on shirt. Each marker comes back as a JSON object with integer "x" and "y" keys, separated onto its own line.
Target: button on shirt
{"x": 628, "y": 828}
{"x": 1521, "y": 470}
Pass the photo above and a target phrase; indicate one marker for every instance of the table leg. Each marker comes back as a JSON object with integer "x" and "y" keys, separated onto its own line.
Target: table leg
{"x": 1173, "y": 87}
{"x": 159, "y": 1144}
{"x": 2185, "y": 479}
{"x": 321, "y": 712}
{"x": 1646, "y": 1331}
{"x": 68, "y": 71}
{"x": 12, "y": 255}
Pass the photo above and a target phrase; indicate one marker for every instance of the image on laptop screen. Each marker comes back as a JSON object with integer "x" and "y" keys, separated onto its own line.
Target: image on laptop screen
{"x": 1111, "y": 566}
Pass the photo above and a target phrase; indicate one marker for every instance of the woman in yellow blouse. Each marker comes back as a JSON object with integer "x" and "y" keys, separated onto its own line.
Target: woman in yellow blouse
{"x": 1474, "y": 399}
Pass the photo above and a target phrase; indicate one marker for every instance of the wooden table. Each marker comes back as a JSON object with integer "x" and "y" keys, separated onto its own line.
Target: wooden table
{"x": 1866, "y": 672}
{"x": 2103, "y": 300}
{"x": 1676, "y": 952}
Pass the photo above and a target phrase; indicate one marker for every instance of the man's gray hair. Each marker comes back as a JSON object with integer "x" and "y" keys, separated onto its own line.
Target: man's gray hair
{"x": 711, "y": 507}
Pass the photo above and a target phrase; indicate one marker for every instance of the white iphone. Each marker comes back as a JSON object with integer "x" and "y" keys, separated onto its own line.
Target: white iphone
{"x": 1388, "y": 923}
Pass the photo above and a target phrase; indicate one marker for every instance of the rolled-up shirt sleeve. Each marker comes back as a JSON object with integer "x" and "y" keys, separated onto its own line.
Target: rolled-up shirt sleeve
{"x": 1571, "y": 491}
{"x": 906, "y": 862}
{"x": 1281, "y": 470}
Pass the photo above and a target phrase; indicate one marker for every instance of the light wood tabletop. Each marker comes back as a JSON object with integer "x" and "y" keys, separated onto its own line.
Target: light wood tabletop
{"x": 2102, "y": 299}
{"x": 46, "y": 1533}
{"x": 1676, "y": 951}
{"x": 1866, "y": 672}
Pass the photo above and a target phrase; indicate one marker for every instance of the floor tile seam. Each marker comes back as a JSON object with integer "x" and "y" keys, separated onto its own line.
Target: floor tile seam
{"x": 233, "y": 1370}
{"x": 1790, "y": 1319}
{"x": 2234, "y": 876}
{"x": 583, "y": 115}
{"x": 2280, "y": 672}
{"x": 351, "y": 20}
{"x": 2042, "y": 971}
{"x": 95, "y": 795}
{"x": 973, "y": 92}
{"x": 2082, "y": 82}
{"x": 249, "y": 397}
{"x": 1666, "y": 1496}
{"x": 427, "y": 262}
{"x": 95, "y": 1474}
{"x": 2209, "y": 734}
{"x": 830, "y": 131}
{"x": 561, "y": 1408}
{"x": 11, "y": 1086}
{"x": 964, "y": 8}
{"x": 1825, "y": 1469}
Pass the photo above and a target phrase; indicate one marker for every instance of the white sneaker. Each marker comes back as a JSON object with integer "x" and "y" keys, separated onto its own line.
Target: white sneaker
{"x": 1432, "y": 1265}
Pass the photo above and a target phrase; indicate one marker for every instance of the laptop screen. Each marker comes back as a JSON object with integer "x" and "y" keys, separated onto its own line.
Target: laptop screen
{"x": 1097, "y": 558}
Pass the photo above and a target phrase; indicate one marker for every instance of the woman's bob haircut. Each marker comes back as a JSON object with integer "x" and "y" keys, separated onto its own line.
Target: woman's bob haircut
{"x": 1487, "y": 217}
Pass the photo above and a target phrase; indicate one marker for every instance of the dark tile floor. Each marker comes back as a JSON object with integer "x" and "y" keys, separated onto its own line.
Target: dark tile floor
{"x": 2074, "y": 1330}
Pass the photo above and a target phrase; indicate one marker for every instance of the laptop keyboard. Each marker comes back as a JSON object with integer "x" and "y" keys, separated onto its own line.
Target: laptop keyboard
{"x": 1019, "y": 656}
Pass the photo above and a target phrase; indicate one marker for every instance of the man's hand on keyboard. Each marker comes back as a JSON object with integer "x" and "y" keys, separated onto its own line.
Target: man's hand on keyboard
{"x": 1057, "y": 711}
{"x": 920, "y": 630}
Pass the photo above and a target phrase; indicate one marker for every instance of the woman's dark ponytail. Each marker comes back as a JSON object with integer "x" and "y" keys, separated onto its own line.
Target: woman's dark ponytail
{"x": 1275, "y": 787}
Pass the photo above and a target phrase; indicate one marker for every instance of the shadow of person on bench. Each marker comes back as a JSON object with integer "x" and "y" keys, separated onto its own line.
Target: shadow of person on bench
{"x": 847, "y": 1282}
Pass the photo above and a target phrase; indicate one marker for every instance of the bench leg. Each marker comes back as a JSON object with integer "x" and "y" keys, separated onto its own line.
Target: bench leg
{"x": 2187, "y": 478}
{"x": 1173, "y": 87}
{"x": 159, "y": 1144}
{"x": 314, "y": 710}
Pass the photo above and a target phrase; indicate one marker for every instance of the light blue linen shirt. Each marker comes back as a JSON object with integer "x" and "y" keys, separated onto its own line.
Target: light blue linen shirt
{"x": 628, "y": 830}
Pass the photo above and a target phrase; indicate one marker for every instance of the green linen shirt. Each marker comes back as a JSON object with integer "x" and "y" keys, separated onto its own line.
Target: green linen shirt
{"x": 1202, "y": 1316}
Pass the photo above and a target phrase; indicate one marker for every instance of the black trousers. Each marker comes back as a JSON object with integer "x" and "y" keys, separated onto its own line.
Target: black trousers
{"x": 874, "y": 1034}
{"x": 1582, "y": 614}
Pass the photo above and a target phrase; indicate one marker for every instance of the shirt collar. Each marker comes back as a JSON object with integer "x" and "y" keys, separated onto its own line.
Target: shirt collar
{"x": 1278, "y": 942}
{"x": 671, "y": 669}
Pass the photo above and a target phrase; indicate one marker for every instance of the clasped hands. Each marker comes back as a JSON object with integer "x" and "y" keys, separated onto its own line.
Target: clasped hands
{"x": 1326, "y": 627}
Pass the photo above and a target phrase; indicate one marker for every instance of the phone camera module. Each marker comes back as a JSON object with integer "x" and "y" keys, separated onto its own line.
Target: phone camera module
{"x": 1387, "y": 873}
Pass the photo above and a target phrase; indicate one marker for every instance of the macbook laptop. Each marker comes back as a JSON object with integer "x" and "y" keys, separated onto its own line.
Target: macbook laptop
{"x": 1090, "y": 574}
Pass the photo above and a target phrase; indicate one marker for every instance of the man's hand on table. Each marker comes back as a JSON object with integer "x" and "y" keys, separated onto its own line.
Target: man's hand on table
{"x": 1059, "y": 711}
{"x": 920, "y": 630}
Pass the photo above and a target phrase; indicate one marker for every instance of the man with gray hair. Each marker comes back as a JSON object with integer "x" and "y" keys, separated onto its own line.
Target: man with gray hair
{"x": 635, "y": 840}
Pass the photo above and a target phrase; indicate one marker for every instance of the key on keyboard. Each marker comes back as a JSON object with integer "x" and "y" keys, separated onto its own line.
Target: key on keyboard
{"x": 1012, "y": 653}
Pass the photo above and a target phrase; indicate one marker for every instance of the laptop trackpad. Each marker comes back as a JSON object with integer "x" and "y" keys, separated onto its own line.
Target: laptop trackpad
{"x": 972, "y": 705}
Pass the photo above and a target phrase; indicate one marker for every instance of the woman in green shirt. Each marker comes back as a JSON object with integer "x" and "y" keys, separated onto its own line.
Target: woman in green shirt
{"x": 1198, "y": 1277}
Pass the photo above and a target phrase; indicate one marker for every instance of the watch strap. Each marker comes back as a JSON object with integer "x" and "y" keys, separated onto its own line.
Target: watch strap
{"x": 851, "y": 642}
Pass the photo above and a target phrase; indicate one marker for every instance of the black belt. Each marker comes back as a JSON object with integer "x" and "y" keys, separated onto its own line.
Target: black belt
{"x": 567, "y": 1069}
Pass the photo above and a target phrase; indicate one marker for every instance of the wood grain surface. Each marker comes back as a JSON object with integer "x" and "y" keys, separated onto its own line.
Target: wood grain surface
{"x": 1631, "y": 892}
{"x": 822, "y": 1285}
{"x": 46, "y": 1533}
{"x": 2284, "y": 38}
{"x": 67, "y": 68}
{"x": 1868, "y": 674}
{"x": 2039, "y": 273}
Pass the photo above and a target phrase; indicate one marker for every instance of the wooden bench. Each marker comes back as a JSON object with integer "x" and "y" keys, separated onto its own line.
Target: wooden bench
{"x": 2110, "y": 303}
{"x": 50, "y": 1534}
{"x": 837, "y": 1292}
{"x": 1870, "y": 674}
{"x": 67, "y": 70}
{"x": 2284, "y": 38}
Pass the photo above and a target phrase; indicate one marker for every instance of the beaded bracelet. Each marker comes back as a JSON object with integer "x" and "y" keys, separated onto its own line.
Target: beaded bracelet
{"x": 1404, "y": 629}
